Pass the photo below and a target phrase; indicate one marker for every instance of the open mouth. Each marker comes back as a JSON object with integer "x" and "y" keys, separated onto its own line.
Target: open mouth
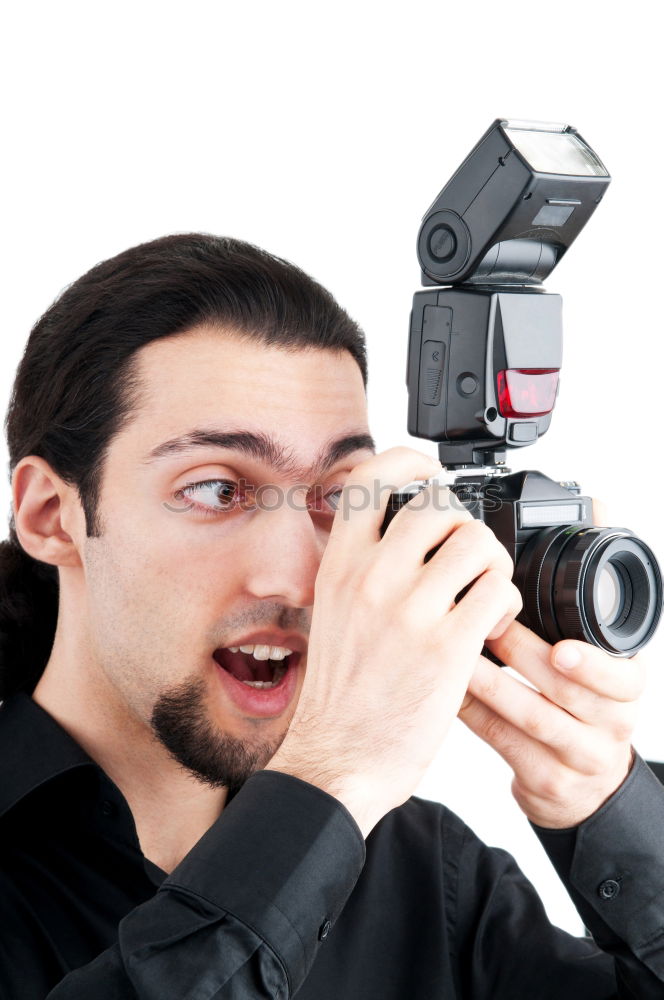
{"x": 261, "y": 674}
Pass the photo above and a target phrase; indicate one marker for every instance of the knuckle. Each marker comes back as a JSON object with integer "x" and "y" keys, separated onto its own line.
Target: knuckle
{"x": 362, "y": 469}
{"x": 445, "y": 507}
{"x": 517, "y": 598}
{"x": 489, "y": 688}
{"x": 496, "y": 731}
{"x": 474, "y": 532}
{"x": 536, "y": 725}
{"x": 514, "y": 645}
{"x": 552, "y": 786}
{"x": 623, "y": 728}
{"x": 463, "y": 515}
{"x": 505, "y": 559}
{"x": 369, "y": 467}
{"x": 409, "y": 615}
{"x": 402, "y": 451}
{"x": 632, "y": 691}
{"x": 565, "y": 693}
{"x": 370, "y": 586}
{"x": 595, "y": 760}
{"x": 403, "y": 454}
{"x": 503, "y": 588}
{"x": 467, "y": 537}
{"x": 638, "y": 675}
{"x": 501, "y": 561}
{"x": 493, "y": 579}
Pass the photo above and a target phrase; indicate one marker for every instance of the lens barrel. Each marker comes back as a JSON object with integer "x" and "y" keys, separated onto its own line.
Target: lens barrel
{"x": 602, "y": 585}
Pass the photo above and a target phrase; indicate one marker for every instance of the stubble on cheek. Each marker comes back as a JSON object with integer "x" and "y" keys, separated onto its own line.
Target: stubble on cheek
{"x": 140, "y": 631}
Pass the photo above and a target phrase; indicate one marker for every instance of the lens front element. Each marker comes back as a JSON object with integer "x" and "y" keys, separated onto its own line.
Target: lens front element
{"x": 610, "y": 593}
{"x": 602, "y": 585}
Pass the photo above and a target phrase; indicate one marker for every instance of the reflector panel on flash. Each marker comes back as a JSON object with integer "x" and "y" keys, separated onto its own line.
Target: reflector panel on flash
{"x": 550, "y": 515}
{"x": 556, "y": 152}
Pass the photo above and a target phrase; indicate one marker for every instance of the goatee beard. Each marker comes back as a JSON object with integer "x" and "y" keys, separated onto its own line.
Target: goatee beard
{"x": 181, "y": 723}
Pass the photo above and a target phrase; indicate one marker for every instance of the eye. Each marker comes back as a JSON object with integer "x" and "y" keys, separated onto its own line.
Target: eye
{"x": 333, "y": 497}
{"x": 321, "y": 502}
{"x": 213, "y": 496}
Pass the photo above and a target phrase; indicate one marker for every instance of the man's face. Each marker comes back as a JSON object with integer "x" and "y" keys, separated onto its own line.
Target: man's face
{"x": 180, "y": 573}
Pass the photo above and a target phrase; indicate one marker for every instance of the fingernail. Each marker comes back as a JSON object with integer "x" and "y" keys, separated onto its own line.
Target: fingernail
{"x": 568, "y": 657}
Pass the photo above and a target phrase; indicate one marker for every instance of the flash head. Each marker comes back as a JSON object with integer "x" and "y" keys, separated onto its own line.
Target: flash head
{"x": 514, "y": 206}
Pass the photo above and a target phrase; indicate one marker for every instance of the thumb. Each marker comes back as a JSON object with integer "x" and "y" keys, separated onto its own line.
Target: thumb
{"x": 600, "y": 514}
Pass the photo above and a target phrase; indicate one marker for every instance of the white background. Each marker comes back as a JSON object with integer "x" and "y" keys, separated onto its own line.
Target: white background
{"x": 323, "y": 132}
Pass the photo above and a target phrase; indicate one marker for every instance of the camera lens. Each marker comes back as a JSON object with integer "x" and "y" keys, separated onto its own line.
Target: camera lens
{"x": 602, "y": 585}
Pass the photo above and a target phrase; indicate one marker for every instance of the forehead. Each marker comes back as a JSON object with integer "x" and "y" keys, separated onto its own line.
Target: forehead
{"x": 210, "y": 377}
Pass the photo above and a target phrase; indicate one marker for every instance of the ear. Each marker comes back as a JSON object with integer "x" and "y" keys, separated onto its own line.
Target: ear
{"x": 47, "y": 513}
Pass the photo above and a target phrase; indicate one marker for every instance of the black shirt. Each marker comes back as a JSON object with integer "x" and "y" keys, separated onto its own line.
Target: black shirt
{"x": 281, "y": 896}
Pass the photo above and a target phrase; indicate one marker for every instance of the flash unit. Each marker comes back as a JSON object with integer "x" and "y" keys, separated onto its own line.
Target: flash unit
{"x": 513, "y": 207}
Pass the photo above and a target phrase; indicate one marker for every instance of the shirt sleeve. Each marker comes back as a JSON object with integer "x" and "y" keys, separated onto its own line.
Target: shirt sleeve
{"x": 245, "y": 912}
{"x": 613, "y": 868}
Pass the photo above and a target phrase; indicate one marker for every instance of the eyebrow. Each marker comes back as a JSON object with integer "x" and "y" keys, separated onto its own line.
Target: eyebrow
{"x": 265, "y": 448}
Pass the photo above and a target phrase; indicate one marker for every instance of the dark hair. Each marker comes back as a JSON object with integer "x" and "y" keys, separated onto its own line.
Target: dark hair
{"x": 76, "y": 385}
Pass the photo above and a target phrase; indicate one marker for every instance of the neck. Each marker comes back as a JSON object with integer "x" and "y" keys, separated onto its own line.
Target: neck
{"x": 172, "y": 809}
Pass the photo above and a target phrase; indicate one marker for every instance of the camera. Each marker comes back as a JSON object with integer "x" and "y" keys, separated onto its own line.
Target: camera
{"x": 484, "y": 357}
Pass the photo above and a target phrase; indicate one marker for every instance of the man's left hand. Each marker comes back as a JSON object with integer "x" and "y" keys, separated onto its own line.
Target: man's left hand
{"x": 569, "y": 741}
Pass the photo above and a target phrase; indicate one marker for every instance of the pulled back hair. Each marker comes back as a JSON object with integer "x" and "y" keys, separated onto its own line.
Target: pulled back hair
{"x": 76, "y": 385}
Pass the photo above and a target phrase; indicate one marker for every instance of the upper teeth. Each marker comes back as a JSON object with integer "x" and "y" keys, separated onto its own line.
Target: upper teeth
{"x": 263, "y": 652}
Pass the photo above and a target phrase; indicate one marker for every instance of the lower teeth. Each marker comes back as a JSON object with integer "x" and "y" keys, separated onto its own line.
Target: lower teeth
{"x": 279, "y": 672}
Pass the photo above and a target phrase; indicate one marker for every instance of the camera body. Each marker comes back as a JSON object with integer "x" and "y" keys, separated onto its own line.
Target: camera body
{"x": 577, "y": 581}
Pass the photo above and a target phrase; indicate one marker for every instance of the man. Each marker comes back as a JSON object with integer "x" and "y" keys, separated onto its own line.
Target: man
{"x": 216, "y": 690}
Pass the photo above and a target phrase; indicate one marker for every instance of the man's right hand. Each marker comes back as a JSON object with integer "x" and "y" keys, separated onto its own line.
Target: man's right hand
{"x": 390, "y": 652}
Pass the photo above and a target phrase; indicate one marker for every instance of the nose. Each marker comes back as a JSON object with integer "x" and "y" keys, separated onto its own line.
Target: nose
{"x": 283, "y": 554}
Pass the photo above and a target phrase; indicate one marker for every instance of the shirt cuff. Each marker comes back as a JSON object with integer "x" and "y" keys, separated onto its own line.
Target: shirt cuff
{"x": 613, "y": 865}
{"x": 283, "y": 858}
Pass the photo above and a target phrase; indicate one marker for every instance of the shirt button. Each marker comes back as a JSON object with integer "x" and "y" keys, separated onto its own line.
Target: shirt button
{"x": 608, "y": 889}
{"x": 107, "y": 808}
{"x": 324, "y": 930}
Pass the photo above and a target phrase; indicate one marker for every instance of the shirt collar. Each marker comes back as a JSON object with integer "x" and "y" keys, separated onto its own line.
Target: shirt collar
{"x": 33, "y": 749}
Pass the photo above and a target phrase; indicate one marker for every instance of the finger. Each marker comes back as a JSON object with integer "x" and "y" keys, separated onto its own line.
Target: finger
{"x": 489, "y": 602}
{"x": 365, "y": 494}
{"x": 574, "y": 743}
{"x": 514, "y": 746}
{"x": 426, "y": 521}
{"x": 596, "y": 671}
{"x": 470, "y": 550}
{"x": 615, "y": 677}
{"x": 543, "y": 783}
{"x": 531, "y": 657}
{"x": 600, "y": 514}
{"x": 518, "y": 645}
